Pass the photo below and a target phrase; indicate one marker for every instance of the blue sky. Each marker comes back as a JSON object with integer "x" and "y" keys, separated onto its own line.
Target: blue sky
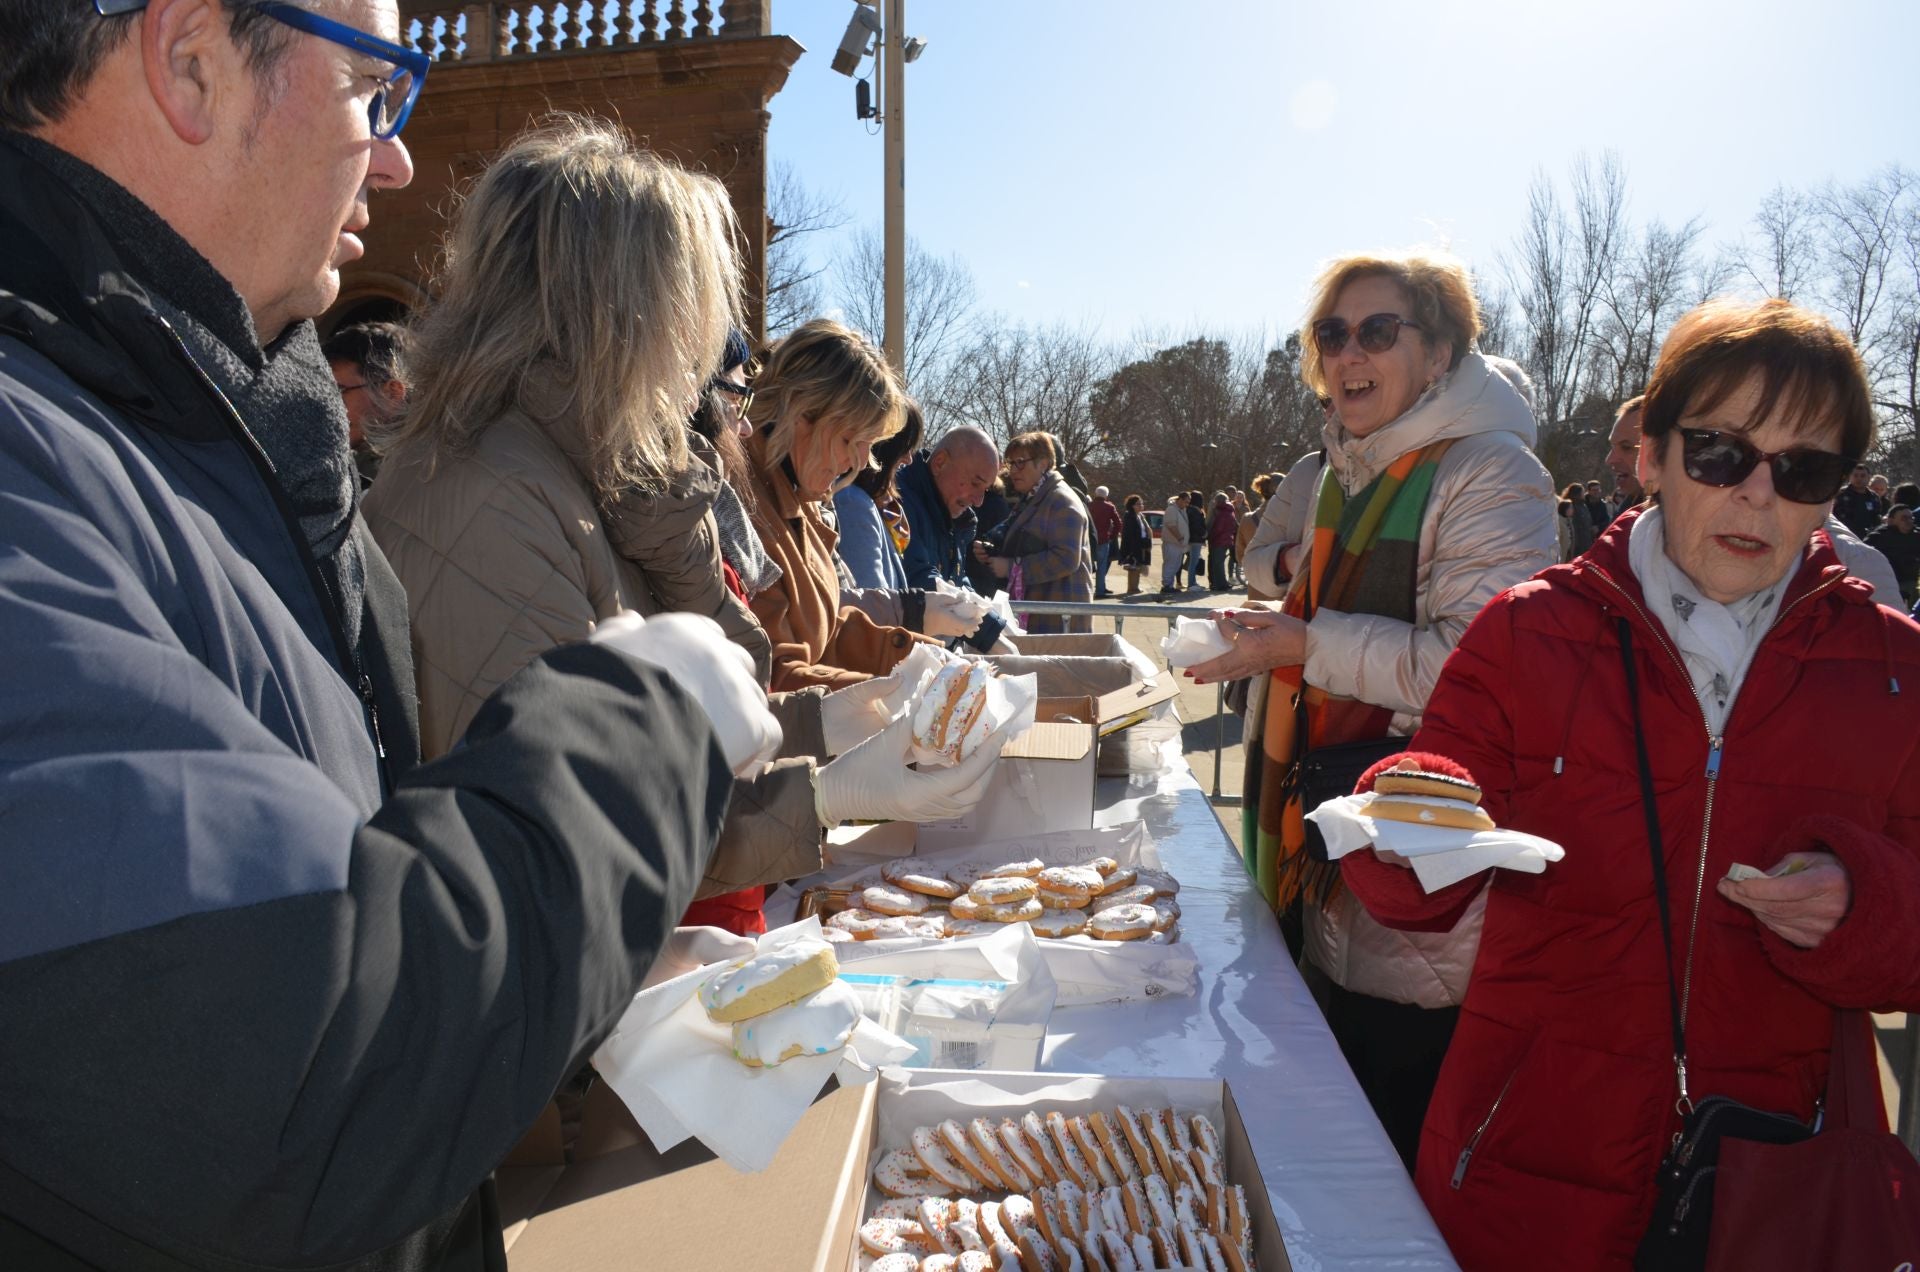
{"x": 1181, "y": 164}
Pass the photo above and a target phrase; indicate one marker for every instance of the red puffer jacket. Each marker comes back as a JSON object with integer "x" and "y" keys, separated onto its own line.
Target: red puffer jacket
{"x": 1557, "y": 1097}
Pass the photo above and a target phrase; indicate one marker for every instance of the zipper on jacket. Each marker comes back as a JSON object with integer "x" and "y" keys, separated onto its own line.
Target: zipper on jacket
{"x": 331, "y": 608}
{"x": 1466, "y": 1154}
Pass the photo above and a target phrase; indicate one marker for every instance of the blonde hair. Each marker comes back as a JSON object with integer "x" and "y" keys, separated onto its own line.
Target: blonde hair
{"x": 1439, "y": 291}
{"x": 825, "y": 371}
{"x": 1035, "y": 445}
{"x": 614, "y": 268}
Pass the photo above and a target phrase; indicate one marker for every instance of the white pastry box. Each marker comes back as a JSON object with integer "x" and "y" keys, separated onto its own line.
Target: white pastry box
{"x": 910, "y": 1098}
{"x": 1045, "y": 779}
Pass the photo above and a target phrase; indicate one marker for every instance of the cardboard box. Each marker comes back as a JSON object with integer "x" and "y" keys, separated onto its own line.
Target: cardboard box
{"x": 622, "y": 1205}
{"x": 1046, "y": 776}
{"x": 923, "y": 1097}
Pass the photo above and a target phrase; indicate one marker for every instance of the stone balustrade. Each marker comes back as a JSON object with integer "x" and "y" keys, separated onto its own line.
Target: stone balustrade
{"x": 496, "y": 32}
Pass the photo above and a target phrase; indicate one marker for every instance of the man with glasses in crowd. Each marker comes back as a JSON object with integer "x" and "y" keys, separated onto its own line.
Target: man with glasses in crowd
{"x": 275, "y": 994}
{"x": 369, "y": 364}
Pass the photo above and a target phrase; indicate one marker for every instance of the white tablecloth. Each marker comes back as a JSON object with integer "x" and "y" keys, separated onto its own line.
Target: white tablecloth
{"x": 1341, "y": 1196}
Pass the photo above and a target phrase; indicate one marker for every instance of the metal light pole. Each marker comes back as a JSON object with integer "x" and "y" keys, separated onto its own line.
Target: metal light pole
{"x": 893, "y": 84}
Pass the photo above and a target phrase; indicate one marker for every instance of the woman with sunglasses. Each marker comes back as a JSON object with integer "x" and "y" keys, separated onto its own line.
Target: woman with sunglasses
{"x": 1718, "y": 630}
{"x": 1045, "y": 542}
{"x": 1430, "y": 502}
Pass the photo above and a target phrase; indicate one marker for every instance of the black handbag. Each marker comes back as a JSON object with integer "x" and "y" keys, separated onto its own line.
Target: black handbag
{"x": 1676, "y": 1239}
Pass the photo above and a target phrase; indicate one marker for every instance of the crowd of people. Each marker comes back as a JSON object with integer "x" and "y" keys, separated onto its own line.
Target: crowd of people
{"x": 374, "y": 735}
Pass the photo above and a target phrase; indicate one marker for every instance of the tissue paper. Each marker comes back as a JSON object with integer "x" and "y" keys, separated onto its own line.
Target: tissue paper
{"x": 1439, "y": 856}
{"x": 1194, "y": 640}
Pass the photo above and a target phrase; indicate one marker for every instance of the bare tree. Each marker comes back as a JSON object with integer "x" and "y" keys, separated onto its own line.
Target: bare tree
{"x": 940, "y": 315}
{"x": 1785, "y": 259}
{"x": 795, "y": 215}
{"x": 1640, "y": 300}
{"x": 1012, "y": 378}
{"x": 1860, "y": 234}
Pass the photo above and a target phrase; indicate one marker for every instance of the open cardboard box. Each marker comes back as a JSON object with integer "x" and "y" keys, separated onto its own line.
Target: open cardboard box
{"x": 620, "y": 1204}
{"x": 1046, "y": 775}
{"x": 923, "y": 1097}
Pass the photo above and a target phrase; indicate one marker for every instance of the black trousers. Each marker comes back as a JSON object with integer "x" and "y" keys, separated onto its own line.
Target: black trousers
{"x": 1395, "y": 1052}
{"x": 1217, "y": 566}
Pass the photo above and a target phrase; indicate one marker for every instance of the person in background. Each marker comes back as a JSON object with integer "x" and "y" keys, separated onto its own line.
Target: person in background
{"x": 1599, "y": 511}
{"x": 866, "y": 540}
{"x": 1906, "y": 493}
{"x": 1223, "y": 528}
{"x": 1623, "y": 456}
{"x": 1576, "y": 522}
{"x": 1136, "y": 542}
{"x": 1279, "y": 544}
{"x": 369, "y": 363}
{"x": 1896, "y": 541}
{"x": 1106, "y": 537}
{"x": 1243, "y": 517}
{"x": 941, "y": 491}
{"x": 720, "y": 429}
{"x": 1767, "y": 684}
{"x": 1196, "y": 535}
{"x": 1879, "y": 485}
{"x": 1173, "y": 543}
{"x": 989, "y": 519}
{"x": 311, "y": 984}
{"x": 1432, "y": 504}
{"x": 1043, "y": 549}
{"x": 1858, "y": 508}
{"x": 1264, "y": 487}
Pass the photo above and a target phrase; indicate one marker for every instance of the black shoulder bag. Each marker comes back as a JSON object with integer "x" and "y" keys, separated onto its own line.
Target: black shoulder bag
{"x": 1676, "y": 1240}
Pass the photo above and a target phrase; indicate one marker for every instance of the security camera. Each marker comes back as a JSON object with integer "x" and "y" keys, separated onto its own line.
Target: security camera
{"x": 858, "y": 41}
{"x": 913, "y": 49}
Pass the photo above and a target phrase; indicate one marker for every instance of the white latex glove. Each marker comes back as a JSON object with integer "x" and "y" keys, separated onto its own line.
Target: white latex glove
{"x": 852, "y": 715}
{"x": 953, "y": 615}
{"x": 873, "y": 783}
{"x": 714, "y": 671}
{"x": 692, "y": 947}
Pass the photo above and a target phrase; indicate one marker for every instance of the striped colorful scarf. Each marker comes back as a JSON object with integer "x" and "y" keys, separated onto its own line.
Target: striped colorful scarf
{"x": 1365, "y": 560}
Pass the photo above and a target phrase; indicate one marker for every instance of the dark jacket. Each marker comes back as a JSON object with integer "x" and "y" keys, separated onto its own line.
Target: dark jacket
{"x": 1196, "y": 526}
{"x": 990, "y": 519}
{"x": 1903, "y": 554}
{"x": 260, "y": 1014}
{"x": 1560, "y": 1078}
{"x": 1860, "y": 510}
{"x": 1136, "y": 540}
{"x": 941, "y": 544}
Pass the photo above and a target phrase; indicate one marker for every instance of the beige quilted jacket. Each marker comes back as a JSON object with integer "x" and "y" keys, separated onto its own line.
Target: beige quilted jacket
{"x": 504, "y": 554}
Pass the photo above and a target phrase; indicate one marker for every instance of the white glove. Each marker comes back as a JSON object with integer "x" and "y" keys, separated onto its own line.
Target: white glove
{"x": 852, "y": 715}
{"x": 873, "y": 783}
{"x": 694, "y": 947}
{"x": 953, "y": 615}
{"x": 715, "y": 672}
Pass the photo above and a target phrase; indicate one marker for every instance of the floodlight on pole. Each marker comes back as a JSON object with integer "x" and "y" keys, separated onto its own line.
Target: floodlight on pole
{"x": 862, "y": 27}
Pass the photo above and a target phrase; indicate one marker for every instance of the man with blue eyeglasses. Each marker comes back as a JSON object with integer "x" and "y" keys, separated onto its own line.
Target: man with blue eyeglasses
{"x": 272, "y": 993}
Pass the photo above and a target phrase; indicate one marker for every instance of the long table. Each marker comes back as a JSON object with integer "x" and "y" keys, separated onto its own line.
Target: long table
{"x": 1341, "y": 1196}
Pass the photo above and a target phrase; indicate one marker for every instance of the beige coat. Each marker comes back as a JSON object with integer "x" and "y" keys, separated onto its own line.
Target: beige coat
{"x": 1489, "y": 524}
{"x": 504, "y": 554}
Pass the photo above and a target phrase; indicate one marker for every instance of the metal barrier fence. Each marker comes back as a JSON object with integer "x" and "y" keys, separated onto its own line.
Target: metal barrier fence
{"x": 1909, "y": 1120}
{"x": 1147, "y": 613}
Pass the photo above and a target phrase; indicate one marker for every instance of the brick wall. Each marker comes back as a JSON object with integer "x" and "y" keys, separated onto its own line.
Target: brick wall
{"x": 704, "y": 102}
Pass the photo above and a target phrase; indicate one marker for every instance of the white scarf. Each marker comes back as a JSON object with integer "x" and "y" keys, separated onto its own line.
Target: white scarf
{"x": 1716, "y": 641}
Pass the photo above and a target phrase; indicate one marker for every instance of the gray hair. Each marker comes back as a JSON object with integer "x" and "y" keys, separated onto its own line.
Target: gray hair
{"x": 964, "y": 437}
{"x": 604, "y": 263}
{"x": 1514, "y": 374}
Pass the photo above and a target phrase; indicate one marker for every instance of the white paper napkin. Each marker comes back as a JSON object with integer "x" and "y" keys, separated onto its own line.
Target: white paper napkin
{"x": 1194, "y": 640}
{"x": 674, "y": 1069}
{"x": 1439, "y": 855}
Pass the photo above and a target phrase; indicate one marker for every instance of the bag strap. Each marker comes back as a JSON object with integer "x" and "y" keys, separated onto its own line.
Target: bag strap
{"x": 1853, "y": 1076}
{"x": 1658, "y": 855}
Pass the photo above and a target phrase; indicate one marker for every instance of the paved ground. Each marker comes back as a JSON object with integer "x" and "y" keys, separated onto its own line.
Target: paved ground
{"x": 1207, "y": 725}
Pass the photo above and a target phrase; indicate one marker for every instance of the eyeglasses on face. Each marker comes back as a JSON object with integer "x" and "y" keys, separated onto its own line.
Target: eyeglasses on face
{"x": 1377, "y": 333}
{"x": 392, "y": 100}
{"x": 1014, "y": 465}
{"x": 742, "y": 395}
{"x": 1801, "y": 474}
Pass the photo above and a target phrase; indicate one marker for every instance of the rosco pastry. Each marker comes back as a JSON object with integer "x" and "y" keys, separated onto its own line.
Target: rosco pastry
{"x": 811, "y": 1026}
{"x": 769, "y": 980}
{"x": 917, "y": 875}
{"x": 951, "y": 718}
{"x": 1001, "y": 890}
{"x": 886, "y": 899}
{"x": 1428, "y": 799}
{"x": 1122, "y": 923}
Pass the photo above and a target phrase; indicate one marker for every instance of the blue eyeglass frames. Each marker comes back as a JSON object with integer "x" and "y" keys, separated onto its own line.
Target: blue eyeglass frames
{"x": 392, "y": 101}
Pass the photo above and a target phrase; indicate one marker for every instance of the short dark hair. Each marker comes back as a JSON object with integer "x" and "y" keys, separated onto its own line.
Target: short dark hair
{"x": 1807, "y": 366}
{"x": 877, "y": 477}
{"x": 50, "y": 50}
{"x": 379, "y": 349}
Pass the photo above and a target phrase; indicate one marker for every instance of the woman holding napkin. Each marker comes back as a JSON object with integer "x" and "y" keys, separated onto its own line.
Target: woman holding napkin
{"x": 1428, "y": 504}
{"x": 1719, "y": 632}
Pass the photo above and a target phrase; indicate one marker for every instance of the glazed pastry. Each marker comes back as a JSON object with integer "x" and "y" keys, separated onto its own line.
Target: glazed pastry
{"x": 934, "y": 1217}
{"x": 1135, "y": 1131}
{"x": 1138, "y": 894}
{"x": 951, "y": 719}
{"x": 986, "y": 1137}
{"x": 1036, "y": 1253}
{"x": 933, "y": 1155}
{"x": 1162, "y": 883}
{"x": 1166, "y": 912}
{"x": 834, "y": 935}
{"x": 1089, "y": 1145}
{"x": 1013, "y": 912}
{"x": 1072, "y": 885}
{"x": 886, "y": 899}
{"x": 956, "y": 926}
{"x": 963, "y": 907}
{"x": 1002, "y": 890}
{"x": 1042, "y": 1144}
{"x": 902, "y": 1262}
{"x": 894, "y": 1236}
{"x": 901, "y": 1208}
{"x": 926, "y": 927}
{"x": 953, "y": 1138}
{"x": 1205, "y": 1137}
{"x": 1105, "y": 865}
{"x": 1077, "y": 1167}
{"x": 759, "y": 984}
{"x": 918, "y": 875}
{"x": 1059, "y": 923}
{"x": 1122, "y": 923}
{"x": 1177, "y": 1130}
{"x": 1025, "y": 869}
{"x": 1022, "y": 1152}
{"x": 1114, "y": 1144}
{"x": 1117, "y": 878}
{"x": 893, "y": 1177}
{"x": 856, "y": 922}
{"x": 813, "y": 1026}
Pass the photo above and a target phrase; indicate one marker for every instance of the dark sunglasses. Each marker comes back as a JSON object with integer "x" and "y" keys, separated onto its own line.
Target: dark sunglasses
{"x": 1377, "y": 333}
{"x": 1800, "y": 475}
{"x": 741, "y": 394}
